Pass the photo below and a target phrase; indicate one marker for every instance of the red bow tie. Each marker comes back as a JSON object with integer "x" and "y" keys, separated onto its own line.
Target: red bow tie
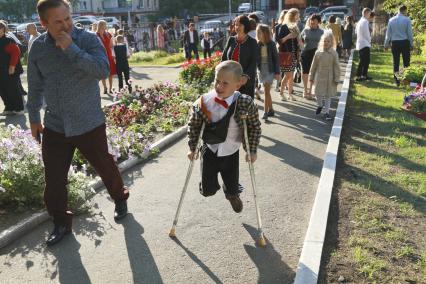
{"x": 221, "y": 102}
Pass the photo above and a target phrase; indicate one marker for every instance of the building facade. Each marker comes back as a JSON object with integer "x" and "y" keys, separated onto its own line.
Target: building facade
{"x": 137, "y": 9}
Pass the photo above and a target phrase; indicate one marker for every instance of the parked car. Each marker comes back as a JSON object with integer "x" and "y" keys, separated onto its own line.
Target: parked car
{"x": 260, "y": 15}
{"x": 86, "y": 17}
{"x": 209, "y": 26}
{"x": 86, "y": 23}
{"x": 23, "y": 27}
{"x": 111, "y": 21}
{"x": 309, "y": 11}
{"x": 337, "y": 9}
{"x": 244, "y": 8}
{"x": 326, "y": 16}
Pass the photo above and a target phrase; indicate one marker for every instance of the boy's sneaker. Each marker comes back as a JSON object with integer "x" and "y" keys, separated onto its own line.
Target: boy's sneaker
{"x": 271, "y": 112}
{"x": 327, "y": 116}
{"x": 318, "y": 111}
{"x": 236, "y": 203}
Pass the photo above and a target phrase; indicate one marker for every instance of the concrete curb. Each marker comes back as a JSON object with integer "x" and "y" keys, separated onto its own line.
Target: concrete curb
{"x": 159, "y": 66}
{"x": 310, "y": 258}
{"x": 16, "y": 231}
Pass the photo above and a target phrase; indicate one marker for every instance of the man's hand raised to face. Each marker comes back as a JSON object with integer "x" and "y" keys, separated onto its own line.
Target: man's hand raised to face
{"x": 63, "y": 40}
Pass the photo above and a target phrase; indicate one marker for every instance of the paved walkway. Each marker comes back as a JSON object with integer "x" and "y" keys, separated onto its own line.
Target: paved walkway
{"x": 214, "y": 244}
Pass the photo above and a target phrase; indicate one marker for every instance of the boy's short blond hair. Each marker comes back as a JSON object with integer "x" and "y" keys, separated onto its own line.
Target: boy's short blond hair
{"x": 231, "y": 67}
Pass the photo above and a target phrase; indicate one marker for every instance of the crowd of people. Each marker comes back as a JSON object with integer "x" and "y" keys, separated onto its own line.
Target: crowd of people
{"x": 66, "y": 63}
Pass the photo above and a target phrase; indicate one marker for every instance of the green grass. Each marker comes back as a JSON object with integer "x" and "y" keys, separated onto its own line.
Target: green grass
{"x": 156, "y": 58}
{"x": 382, "y": 168}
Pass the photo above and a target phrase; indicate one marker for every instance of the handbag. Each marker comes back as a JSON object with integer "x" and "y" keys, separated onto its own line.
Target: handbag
{"x": 297, "y": 78}
{"x": 286, "y": 58}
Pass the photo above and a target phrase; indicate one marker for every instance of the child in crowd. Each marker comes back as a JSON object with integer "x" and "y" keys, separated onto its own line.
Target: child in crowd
{"x": 207, "y": 45}
{"x": 268, "y": 65}
{"x": 129, "y": 50}
{"x": 122, "y": 64}
{"x": 325, "y": 73}
{"x": 221, "y": 111}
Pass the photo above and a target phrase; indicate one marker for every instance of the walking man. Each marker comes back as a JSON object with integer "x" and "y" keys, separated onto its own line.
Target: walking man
{"x": 64, "y": 67}
{"x": 190, "y": 41}
{"x": 399, "y": 36}
{"x": 363, "y": 44}
{"x": 32, "y": 31}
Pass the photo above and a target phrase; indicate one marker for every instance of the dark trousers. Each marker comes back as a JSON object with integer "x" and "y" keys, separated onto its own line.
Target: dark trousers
{"x": 227, "y": 166}
{"x": 364, "y": 62}
{"x": 58, "y": 151}
{"x": 10, "y": 92}
{"x": 120, "y": 73}
{"x": 400, "y": 47}
{"x": 207, "y": 52}
{"x": 248, "y": 89}
{"x": 192, "y": 47}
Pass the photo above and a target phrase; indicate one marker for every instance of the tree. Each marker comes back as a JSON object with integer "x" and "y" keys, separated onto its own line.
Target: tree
{"x": 18, "y": 10}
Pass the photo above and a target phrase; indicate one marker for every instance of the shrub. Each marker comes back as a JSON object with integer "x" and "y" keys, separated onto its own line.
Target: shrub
{"x": 22, "y": 171}
{"x": 414, "y": 73}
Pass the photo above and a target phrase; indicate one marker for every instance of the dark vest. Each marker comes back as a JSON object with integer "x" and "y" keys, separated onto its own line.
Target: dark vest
{"x": 5, "y": 58}
{"x": 216, "y": 132}
{"x": 206, "y": 44}
{"x": 121, "y": 56}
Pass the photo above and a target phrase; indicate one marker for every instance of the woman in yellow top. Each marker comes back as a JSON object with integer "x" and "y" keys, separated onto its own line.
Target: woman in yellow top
{"x": 337, "y": 31}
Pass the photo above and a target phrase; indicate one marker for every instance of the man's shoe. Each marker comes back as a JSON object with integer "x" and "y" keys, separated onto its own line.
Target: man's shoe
{"x": 265, "y": 116}
{"x": 318, "y": 111}
{"x": 56, "y": 236}
{"x": 397, "y": 82}
{"x": 120, "y": 210}
{"x": 271, "y": 113}
{"x": 236, "y": 203}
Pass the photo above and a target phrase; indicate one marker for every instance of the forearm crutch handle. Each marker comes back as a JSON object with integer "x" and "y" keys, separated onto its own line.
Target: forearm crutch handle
{"x": 261, "y": 240}
{"x": 185, "y": 186}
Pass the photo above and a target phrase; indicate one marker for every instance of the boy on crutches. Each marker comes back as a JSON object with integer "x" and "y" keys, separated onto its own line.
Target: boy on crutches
{"x": 222, "y": 110}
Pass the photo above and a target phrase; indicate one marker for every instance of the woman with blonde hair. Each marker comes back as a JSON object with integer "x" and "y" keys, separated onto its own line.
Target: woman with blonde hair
{"x": 160, "y": 37}
{"x": 107, "y": 41}
{"x": 287, "y": 36}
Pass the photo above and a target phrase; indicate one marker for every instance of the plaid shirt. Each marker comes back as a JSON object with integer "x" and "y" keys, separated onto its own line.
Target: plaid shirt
{"x": 245, "y": 106}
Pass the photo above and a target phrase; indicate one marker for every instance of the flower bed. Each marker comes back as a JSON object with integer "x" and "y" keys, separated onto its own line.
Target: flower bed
{"x": 415, "y": 103}
{"x": 133, "y": 123}
{"x": 200, "y": 73}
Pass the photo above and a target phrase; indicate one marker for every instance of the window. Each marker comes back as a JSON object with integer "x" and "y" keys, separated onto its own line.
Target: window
{"x": 83, "y": 5}
{"x": 141, "y": 3}
{"x": 147, "y": 3}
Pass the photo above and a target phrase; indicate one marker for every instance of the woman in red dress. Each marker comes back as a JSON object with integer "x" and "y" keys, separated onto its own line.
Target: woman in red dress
{"x": 107, "y": 41}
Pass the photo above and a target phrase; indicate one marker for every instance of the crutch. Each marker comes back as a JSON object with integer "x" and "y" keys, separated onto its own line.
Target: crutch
{"x": 261, "y": 240}
{"x": 172, "y": 233}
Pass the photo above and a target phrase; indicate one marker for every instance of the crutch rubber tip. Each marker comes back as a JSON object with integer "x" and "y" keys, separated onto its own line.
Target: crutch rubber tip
{"x": 262, "y": 242}
{"x": 172, "y": 233}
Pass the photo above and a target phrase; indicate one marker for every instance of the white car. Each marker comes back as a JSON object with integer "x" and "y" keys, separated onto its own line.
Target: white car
{"x": 111, "y": 21}
{"x": 337, "y": 9}
{"x": 87, "y": 17}
{"x": 244, "y": 8}
{"x": 209, "y": 26}
{"x": 326, "y": 16}
{"x": 260, "y": 15}
{"x": 86, "y": 23}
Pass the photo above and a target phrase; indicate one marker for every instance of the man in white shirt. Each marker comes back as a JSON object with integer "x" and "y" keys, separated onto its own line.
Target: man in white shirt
{"x": 363, "y": 44}
{"x": 190, "y": 41}
{"x": 32, "y": 31}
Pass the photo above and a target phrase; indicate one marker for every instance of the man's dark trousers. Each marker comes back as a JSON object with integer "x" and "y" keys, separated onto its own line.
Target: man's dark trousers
{"x": 364, "y": 62}
{"x": 400, "y": 47}
{"x": 192, "y": 47}
{"x": 58, "y": 151}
